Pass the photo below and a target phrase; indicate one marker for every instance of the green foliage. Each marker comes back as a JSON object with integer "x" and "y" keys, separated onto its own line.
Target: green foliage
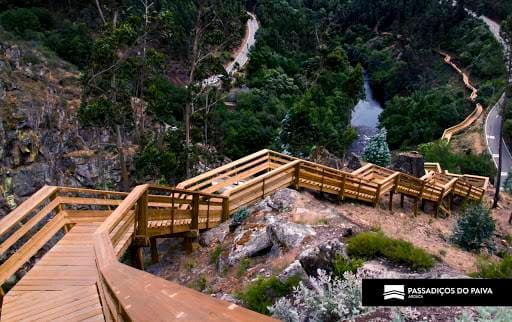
{"x": 243, "y": 266}
{"x": 475, "y": 228}
{"x": 263, "y": 292}
{"x": 162, "y": 160}
{"x": 215, "y": 255}
{"x": 100, "y": 113}
{"x": 494, "y": 269}
{"x": 377, "y": 150}
{"x": 200, "y": 284}
{"x": 369, "y": 245}
{"x": 166, "y": 100}
{"x": 342, "y": 265}
{"x": 468, "y": 163}
{"x": 71, "y": 42}
{"x": 240, "y": 215}
{"x": 24, "y": 21}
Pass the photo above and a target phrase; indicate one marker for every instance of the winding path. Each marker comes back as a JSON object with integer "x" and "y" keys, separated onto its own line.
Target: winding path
{"x": 241, "y": 56}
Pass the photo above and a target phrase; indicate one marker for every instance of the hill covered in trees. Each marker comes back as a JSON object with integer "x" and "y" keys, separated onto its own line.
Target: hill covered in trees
{"x": 142, "y": 64}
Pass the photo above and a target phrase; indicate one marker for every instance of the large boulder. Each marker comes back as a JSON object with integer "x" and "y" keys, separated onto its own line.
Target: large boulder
{"x": 322, "y": 256}
{"x": 288, "y": 234}
{"x": 249, "y": 243}
{"x": 293, "y": 270}
{"x": 354, "y": 161}
{"x": 283, "y": 200}
{"x": 411, "y": 163}
{"x": 214, "y": 235}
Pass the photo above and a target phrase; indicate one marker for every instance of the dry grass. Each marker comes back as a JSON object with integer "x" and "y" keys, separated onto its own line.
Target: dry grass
{"x": 309, "y": 218}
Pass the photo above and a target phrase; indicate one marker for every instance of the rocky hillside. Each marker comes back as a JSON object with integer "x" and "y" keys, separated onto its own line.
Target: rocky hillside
{"x": 292, "y": 235}
{"x": 41, "y": 141}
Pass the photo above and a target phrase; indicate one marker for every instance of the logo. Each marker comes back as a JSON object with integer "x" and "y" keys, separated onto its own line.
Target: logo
{"x": 394, "y": 292}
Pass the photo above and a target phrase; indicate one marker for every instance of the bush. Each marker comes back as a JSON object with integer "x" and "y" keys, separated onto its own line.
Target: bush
{"x": 377, "y": 150}
{"x": 468, "y": 163}
{"x": 262, "y": 293}
{"x": 342, "y": 265}
{"x": 328, "y": 299}
{"x": 243, "y": 266}
{"x": 374, "y": 244}
{"x": 215, "y": 255}
{"x": 72, "y": 43}
{"x": 494, "y": 269}
{"x": 20, "y": 21}
{"x": 474, "y": 229}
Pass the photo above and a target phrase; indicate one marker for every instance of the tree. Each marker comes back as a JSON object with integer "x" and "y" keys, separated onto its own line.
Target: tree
{"x": 377, "y": 150}
{"x": 506, "y": 34}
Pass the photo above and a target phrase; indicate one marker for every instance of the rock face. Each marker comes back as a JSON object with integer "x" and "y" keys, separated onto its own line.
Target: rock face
{"x": 321, "y": 256}
{"x": 293, "y": 270}
{"x": 412, "y": 163}
{"x": 287, "y": 234}
{"x": 354, "y": 161}
{"x": 41, "y": 141}
{"x": 249, "y": 243}
{"x": 281, "y": 200}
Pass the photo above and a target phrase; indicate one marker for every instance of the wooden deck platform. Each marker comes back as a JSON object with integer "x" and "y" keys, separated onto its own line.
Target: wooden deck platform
{"x": 80, "y": 278}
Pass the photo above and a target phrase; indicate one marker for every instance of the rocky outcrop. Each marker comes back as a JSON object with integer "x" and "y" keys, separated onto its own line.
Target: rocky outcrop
{"x": 288, "y": 234}
{"x": 322, "y": 256}
{"x": 354, "y": 161}
{"x": 380, "y": 269}
{"x": 249, "y": 243}
{"x": 41, "y": 140}
{"x": 412, "y": 163}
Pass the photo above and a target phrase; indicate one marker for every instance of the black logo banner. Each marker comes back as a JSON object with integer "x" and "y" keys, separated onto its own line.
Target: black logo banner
{"x": 437, "y": 292}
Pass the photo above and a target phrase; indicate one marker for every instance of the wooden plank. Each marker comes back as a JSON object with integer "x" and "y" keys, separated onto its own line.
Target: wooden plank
{"x": 20, "y": 232}
{"x": 14, "y": 217}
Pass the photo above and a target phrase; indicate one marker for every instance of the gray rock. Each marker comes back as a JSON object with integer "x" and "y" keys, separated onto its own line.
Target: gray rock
{"x": 354, "y": 161}
{"x": 214, "y": 235}
{"x": 380, "y": 269}
{"x": 288, "y": 234}
{"x": 293, "y": 270}
{"x": 249, "y": 243}
{"x": 322, "y": 256}
{"x": 283, "y": 200}
{"x": 412, "y": 163}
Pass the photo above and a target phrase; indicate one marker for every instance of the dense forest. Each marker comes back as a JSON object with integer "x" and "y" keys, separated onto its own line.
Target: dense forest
{"x": 142, "y": 63}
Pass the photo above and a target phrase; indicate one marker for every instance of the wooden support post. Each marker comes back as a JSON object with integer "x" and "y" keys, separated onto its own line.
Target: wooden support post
{"x": 154, "y": 250}
{"x": 225, "y": 209}
{"x": 377, "y": 197}
{"x": 342, "y": 189}
{"x": 391, "y": 200}
{"x": 141, "y": 234}
{"x": 422, "y": 205}
{"x": 194, "y": 225}
{"x": 415, "y": 207}
{"x": 137, "y": 257}
{"x": 401, "y": 200}
{"x": 297, "y": 177}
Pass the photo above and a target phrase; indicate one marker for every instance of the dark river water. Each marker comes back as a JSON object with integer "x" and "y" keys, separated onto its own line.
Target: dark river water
{"x": 365, "y": 118}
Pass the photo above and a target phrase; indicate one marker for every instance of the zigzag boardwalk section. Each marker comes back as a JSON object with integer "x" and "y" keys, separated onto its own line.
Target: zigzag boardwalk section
{"x": 87, "y": 232}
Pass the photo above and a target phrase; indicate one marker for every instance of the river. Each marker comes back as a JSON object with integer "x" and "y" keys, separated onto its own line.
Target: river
{"x": 365, "y": 118}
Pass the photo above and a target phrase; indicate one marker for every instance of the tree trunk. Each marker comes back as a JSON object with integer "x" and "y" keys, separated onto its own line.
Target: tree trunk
{"x": 100, "y": 12}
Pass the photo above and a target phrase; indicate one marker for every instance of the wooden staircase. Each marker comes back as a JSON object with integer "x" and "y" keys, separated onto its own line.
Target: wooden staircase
{"x": 88, "y": 231}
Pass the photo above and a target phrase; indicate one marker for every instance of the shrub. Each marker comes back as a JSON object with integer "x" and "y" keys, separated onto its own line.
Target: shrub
{"x": 377, "y": 150}
{"x": 215, "y": 255}
{"x": 72, "y": 43}
{"x": 20, "y": 21}
{"x": 238, "y": 218}
{"x": 494, "y": 269}
{"x": 342, "y": 265}
{"x": 262, "y": 293}
{"x": 468, "y": 163}
{"x": 474, "y": 229}
{"x": 484, "y": 314}
{"x": 374, "y": 244}
{"x": 243, "y": 266}
{"x": 328, "y": 299}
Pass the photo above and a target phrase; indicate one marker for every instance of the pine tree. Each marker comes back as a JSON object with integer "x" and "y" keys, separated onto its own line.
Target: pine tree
{"x": 377, "y": 150}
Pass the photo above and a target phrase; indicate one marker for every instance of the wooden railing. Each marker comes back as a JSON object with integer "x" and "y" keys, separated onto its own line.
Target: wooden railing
{"x": 475, "y": 114}
{"x": 37, "y": 220}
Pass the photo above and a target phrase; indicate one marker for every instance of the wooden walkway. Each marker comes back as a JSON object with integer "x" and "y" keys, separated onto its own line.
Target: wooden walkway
{"x": 80, "y": 278}
{"x": 477, "y": 112}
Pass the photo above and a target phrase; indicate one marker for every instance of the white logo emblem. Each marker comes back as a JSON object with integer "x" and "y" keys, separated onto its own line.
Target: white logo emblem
{"x": 394, "y": 292}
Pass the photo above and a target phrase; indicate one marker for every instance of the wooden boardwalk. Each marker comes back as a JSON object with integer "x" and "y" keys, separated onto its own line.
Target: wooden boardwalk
{"x": 80, "y": 278}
